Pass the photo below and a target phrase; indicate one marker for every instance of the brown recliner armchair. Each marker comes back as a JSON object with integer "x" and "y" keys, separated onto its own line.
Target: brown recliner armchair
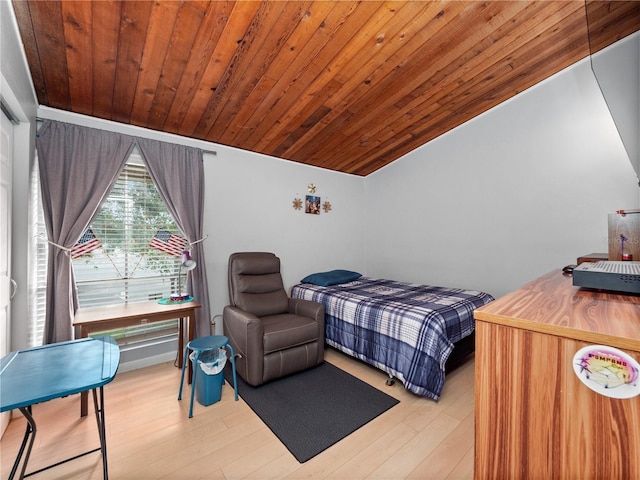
{"x": 272, "y": 335}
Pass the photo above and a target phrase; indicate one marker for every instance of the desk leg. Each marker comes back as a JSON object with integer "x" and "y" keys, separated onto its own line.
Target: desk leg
{"x": 191, "y": 322}
{"x": 84, "y": 404}
{"x": 99, "y": 409}
{"x": 29, "y": 436}
{"x": 180, "y": 340}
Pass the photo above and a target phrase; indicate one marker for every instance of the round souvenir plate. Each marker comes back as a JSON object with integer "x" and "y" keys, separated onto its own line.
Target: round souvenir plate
{"x": 608, "y": 371}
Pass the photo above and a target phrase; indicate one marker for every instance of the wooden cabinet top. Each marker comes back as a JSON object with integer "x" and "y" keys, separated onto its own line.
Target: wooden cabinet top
{"x": 552, "y": 305}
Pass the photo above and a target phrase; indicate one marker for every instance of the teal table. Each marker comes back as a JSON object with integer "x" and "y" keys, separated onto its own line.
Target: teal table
{"x": 57, "y": 370}
{"x": 203, "y": 344}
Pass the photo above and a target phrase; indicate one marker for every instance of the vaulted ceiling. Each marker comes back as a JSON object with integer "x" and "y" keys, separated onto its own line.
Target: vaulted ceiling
{"x": 347, "y": 86}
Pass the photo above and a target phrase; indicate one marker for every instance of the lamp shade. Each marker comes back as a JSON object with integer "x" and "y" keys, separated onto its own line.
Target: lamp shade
{"x": 188, "y": 263}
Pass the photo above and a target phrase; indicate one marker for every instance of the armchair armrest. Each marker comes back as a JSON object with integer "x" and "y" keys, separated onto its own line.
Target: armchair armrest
{"x": 307, "y": 308}
{"x": 310, "y": 309}
{"x": 245, "y": 333}
{"x": 244, "y": 328}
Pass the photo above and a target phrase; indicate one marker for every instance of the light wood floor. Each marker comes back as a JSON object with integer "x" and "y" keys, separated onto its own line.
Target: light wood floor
{"x": 149, "y": 435}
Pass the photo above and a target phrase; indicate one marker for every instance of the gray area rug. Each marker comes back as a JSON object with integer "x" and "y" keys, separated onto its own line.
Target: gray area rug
{"x": 312, "y": 410}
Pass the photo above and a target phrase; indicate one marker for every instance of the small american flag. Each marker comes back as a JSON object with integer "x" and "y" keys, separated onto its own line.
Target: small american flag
{"x": 88, "y": 243}
{"x": 169, "y": 243}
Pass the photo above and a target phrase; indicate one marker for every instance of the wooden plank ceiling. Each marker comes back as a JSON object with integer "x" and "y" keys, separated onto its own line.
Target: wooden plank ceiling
{"x": 347, "y": 86}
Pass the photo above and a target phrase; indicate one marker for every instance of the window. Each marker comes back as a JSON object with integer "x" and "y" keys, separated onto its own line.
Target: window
{"x": 122, "y": 257}
{"x": 131, "y": 252}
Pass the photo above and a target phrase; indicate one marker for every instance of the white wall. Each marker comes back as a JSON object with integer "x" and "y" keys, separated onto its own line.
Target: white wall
{"x": 516, "y": 192}
{"x": 617, "y": 70}
{"x": 249, "y": 207}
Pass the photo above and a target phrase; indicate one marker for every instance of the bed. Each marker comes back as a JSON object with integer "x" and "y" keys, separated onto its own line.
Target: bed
{"x": 408, "y": 331}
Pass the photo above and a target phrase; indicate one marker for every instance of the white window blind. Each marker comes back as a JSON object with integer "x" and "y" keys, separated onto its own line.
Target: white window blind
{"x": 121, "y": 266}
{"x": 37, "y": 264}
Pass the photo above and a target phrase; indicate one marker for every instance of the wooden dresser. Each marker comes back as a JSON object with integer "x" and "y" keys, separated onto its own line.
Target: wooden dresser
{"x": 534, "y": 418}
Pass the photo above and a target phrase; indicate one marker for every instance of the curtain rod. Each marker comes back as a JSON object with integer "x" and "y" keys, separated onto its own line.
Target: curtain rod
{"x": 210, "y": 152}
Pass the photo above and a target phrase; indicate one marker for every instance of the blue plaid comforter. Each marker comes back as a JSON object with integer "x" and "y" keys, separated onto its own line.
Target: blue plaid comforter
{"x": 406, "y": 330}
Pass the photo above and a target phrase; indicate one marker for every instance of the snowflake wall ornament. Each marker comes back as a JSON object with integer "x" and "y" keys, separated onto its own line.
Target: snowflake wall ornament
{"x": 312, "y": 203}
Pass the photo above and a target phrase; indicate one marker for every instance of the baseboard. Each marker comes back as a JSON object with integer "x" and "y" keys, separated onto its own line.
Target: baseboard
{"x": 146, "y": 362}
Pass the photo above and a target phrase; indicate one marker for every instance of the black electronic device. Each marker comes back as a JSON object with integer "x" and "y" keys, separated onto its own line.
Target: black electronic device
{"x": 608, "y": 275}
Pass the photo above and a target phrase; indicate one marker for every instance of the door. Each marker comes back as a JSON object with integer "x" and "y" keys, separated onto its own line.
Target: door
{"x": 6, "y": 160}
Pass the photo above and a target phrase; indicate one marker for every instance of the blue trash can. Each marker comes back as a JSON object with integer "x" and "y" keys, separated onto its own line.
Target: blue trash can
{"x": 209, "y": 385}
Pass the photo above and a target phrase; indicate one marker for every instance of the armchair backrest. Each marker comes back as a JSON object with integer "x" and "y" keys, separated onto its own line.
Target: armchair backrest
{"x": 255, "y": 283}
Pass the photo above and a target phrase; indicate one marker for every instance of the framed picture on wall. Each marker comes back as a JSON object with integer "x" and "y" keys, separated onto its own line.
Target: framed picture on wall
{"x": 312, "y": 205}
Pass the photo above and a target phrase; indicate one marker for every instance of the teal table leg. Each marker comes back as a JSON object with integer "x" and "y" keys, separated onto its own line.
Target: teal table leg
{"x": 186, "y": 353}
{"x": 233, "y": 369}
{"x": 193, "y": 382}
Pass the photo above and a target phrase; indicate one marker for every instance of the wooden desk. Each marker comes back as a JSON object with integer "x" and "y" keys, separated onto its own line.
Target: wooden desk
{"x": 99, "y": 319}
{"x": 534, "y": 417}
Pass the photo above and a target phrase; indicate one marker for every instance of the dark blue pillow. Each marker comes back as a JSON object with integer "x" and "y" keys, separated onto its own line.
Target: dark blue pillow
{"x": 334, "y": 277}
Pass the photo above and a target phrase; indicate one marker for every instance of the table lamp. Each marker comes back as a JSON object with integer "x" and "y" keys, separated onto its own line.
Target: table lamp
{"x": 187, "y": 264}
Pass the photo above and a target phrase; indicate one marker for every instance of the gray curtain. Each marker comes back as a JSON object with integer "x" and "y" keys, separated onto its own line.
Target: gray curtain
{"x": 178, "y": 172}
{"x": 80, "y": 166}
